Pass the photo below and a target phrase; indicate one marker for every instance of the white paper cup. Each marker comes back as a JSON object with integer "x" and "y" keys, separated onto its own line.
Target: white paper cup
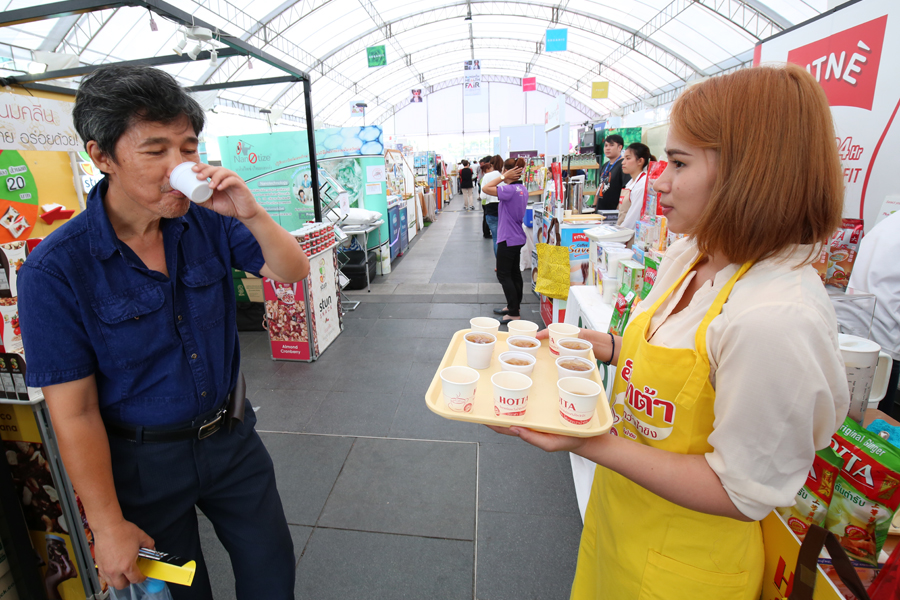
{"x": 459, "y": 384}
{"x": 532, "y": 350}
{"x": 511, "y": 392}
{"x": 485, "y": 324}
{"x": 478, "y": 356}
{"x": 564, "y": 372}
{"x": 559, "y": 331}
{"x": 526, "y": 369}
{"x": 563, "y": 351}
{"x": 522, "y": 327}
{"x": 185, "y": 181}
{"x": 577, "y": 401}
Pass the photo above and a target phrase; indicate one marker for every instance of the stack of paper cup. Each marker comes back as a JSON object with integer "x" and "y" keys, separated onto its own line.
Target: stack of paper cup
{"x": 577, "y": 401}
{"x": 459, "y": 384}
{"x": 511, "y": 392}
{"x": 557, "y": 332}
{"x": 479, "y": 349}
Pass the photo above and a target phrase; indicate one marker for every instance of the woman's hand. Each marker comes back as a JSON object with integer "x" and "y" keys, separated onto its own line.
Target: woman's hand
{"x": 513, "y": 175}
{"x": 549, "y": 442}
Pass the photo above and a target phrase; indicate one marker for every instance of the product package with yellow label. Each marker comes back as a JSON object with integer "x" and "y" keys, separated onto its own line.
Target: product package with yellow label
{"x": 814, "y": 497}
{"x": 866, "y": 493}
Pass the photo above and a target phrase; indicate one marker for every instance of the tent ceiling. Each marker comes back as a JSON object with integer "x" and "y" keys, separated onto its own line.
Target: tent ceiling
{"x": 645, "y": 48}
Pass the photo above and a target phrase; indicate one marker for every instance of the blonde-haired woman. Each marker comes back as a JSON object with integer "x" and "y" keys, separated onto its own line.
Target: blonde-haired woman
{"x": 729, "y": 376}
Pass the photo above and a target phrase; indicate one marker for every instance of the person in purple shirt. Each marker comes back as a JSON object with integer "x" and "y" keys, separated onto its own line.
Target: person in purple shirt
{"x": 513, "y": 199}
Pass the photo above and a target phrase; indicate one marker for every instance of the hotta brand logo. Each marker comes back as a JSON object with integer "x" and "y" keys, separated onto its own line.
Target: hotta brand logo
{"x": 846, "y": 64}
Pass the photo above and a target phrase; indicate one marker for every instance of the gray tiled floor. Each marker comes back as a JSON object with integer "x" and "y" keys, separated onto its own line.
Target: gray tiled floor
{"x": 385, "y": 499}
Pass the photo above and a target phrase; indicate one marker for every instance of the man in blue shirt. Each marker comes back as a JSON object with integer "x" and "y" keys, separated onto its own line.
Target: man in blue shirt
{"x": 128, "y": 318}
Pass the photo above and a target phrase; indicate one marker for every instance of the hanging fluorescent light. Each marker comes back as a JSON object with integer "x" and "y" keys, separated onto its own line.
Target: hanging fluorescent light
{"x": 193, "y": 52}
{"x": 179, "y": 47}
{"x": 214, "y": 58}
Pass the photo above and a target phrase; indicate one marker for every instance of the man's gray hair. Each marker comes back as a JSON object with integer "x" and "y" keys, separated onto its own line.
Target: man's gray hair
{"x": 113, "y": 98}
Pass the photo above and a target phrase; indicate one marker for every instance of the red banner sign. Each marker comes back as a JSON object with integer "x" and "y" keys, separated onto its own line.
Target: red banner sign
{"x": 846, "y": 64}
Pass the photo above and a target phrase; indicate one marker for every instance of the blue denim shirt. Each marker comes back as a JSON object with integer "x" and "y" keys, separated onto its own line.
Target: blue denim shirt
{"x": 163, "y": 349}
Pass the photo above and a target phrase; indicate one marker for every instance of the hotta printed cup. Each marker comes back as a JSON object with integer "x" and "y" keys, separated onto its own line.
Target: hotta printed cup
{"x": 479, "y": 349}
{"x": 522, "y": 327}
{"x": 577, "y": 401}
{"x": 511, "y": 392}
{"x": 459, "y": 385}
{"x": 485, "y": 324}
{"x": 559, "y": 331}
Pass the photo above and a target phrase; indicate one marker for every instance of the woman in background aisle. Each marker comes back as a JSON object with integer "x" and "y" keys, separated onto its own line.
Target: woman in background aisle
{"x": 635, "y": 162}
{"x": 492, "y": 171}
{"x": 465, "y": 182}
{"x": 735, "y": 349}
{"x": 512, "y": 196}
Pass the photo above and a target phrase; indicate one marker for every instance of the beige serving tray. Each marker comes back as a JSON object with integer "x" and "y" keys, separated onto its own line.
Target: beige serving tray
{"x": 543, "y": 403}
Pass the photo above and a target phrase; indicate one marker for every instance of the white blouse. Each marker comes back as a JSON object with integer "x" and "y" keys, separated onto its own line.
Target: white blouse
{"x": 781, "y": 388}
{"x": 636, "y": 186}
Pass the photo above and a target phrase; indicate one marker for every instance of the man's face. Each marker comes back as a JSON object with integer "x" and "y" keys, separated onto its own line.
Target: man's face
{"x": 611, "y": 150}
{"x": 146, "y": 154}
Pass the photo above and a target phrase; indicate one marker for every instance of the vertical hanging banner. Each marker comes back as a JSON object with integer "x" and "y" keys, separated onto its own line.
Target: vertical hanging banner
{"x": 472, "y": 70}
{"x": 557, "y": 40}
{"x": 415, "y": 96}
{"x": 600, "y": 90}
{"x": 529, "y": 84}
{"x": 357, "y": 111}
{"x": 377, "y": 56}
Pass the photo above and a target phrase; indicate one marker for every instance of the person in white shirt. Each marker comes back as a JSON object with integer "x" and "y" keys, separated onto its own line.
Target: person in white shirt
{"x": 635, "y": 162}
{"x": 493, "y": 172}
{"x": 877, "y": 271}
{"x": 729, "y": 376}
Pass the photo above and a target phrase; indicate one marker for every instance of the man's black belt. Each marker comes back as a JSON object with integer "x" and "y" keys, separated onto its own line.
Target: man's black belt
{"x": 227, "y": 414}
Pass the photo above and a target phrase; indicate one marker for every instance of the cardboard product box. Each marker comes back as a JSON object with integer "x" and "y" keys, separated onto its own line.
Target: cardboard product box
{"x": 552, "y": 310}
{"x": 253, "y": 288}
{"x": 631, "y": 275}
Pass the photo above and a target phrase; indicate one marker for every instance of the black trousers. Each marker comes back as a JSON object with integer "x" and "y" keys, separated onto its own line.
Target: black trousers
{"x": 510, "y": 276}
{"x": 231, "y": 478}
{"x": 485, "y": 230}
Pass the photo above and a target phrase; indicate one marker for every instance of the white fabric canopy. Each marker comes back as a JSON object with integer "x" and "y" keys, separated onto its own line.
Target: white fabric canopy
{"x": 643, "y": 47}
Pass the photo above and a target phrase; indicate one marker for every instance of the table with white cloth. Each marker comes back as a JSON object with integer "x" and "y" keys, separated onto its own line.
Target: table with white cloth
{"x": 585, "y": 308}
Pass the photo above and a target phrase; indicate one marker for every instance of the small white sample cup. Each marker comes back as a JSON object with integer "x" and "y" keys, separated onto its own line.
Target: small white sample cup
{"x": 485, "y": 324}
{"x": 185, "y": 181}
{"x": 577, "y": 401}
{"x": 517, "y": 357}
{"x": 511, "y": 394}
{"x": 478, "y": 354}
{"x": 459, "y": 384}
{"x": 563, "y": 370}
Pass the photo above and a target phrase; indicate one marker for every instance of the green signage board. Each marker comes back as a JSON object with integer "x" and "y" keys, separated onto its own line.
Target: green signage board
{"x": 377, "y": 56}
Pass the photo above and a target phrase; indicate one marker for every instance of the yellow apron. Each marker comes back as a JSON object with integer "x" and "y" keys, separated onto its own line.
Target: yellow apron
{"x": 636, "y": 545}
